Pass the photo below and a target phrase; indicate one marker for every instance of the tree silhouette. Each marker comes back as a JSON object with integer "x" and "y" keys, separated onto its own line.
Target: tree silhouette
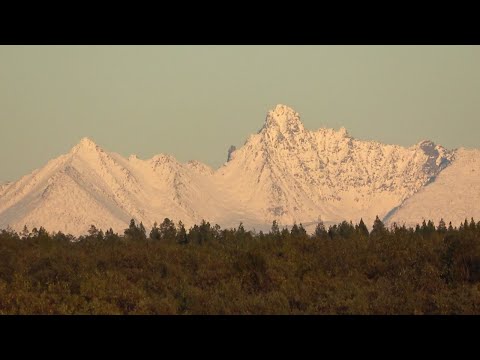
{"x": 378, "y": 227}
{"x": 275, "y": 230}
{"x": 362, "y": 228}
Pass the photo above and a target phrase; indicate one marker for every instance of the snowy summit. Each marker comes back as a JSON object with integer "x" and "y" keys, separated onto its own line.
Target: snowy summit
{"x": 284, "y": 172}
{"x": 284, "y": 119}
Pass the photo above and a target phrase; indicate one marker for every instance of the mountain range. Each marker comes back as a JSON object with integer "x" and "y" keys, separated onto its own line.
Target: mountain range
{"x": 284, "y": 172}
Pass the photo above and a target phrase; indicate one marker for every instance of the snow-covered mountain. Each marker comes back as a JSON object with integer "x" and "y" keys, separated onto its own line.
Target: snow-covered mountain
{"x": 453, "y": 196}
{"x": 288, "y": 173}
{"x": 284, "y": 173}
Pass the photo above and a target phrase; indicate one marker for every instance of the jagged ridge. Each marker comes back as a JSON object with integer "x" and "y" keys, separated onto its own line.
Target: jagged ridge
{"x": 283, "y": 172}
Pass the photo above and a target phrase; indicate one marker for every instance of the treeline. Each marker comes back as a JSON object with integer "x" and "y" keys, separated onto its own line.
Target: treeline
{"x": 342, "y": 269}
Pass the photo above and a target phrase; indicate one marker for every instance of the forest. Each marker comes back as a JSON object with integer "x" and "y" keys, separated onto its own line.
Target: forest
{"x": 342, "y": 269}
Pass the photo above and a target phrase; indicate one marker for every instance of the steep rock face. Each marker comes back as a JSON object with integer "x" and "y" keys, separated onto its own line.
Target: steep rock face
{"x": 284, "y": 173}
{"x": 453, "y": 196}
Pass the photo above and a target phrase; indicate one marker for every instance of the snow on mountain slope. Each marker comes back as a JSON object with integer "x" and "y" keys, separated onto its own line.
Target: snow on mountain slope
{"x": 453, "y": 196}
{"x": 284, "y": 173}
{"x": 90, "y": 186}
{"x": 3, "y": 187}
{"x": 70, "y": 191}
{"x": 287, "y": 173}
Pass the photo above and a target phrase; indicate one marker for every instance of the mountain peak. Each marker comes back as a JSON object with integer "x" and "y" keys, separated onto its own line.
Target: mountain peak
{"x": 85, "y": 144}
{"x": 284, "y": 119}
{"x": 343, "y": 132}
{"x": 426, "y": 143}
{"x": 281, "y": 109}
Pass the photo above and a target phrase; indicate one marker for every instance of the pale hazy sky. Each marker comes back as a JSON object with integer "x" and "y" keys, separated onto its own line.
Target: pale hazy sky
{"x": 195, "y": 101}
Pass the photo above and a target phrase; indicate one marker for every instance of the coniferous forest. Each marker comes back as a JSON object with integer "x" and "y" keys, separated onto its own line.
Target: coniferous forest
{"x": 345, "y": 269}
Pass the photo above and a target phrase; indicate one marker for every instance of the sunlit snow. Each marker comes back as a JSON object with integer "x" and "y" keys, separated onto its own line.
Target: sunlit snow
{"x": 284, "y": 173}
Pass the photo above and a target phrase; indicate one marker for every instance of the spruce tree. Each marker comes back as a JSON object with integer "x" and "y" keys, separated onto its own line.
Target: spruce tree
{"x": 155, "y": 232}
{"x": 345, "y": 229}
{"x": 275, "y": 229}
{"x": 261, "y": 235}
{"x": 450, "y": 227}
{"x": 332, "y": 231}
{"x": 132, "y": 230}
{"x": 25, "y": 233}
{"x": 285, "y": 233}
{"x": 378, "y": 227}
{"x": 181, "y": 234}
{"x": 93, "y": 231}
{"x": 241, "y": 229}
{"x": 442, "y": 228}
{"x": 302, "y": 230}
{"x": 472, "y": 225}
{"x": 295, "y": 231}
{"x": 167, "y": 230}
{"x": 241, "y": 234}
{"x": 194, "y": 235}
{"x": 142, "y": 232}
{"x": 362, "y": 228}
{"x": 320, "y": 231}
{"x": 135, "y": 232}
{"x": 424, "y": 227}
{"x": 205, "y": 232}
{"x": 430, "y": 227}
{"x": 110, "y": 235}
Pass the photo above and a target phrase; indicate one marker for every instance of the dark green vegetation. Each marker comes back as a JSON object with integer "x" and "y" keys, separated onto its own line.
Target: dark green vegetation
{"x": 207, "y": 270}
